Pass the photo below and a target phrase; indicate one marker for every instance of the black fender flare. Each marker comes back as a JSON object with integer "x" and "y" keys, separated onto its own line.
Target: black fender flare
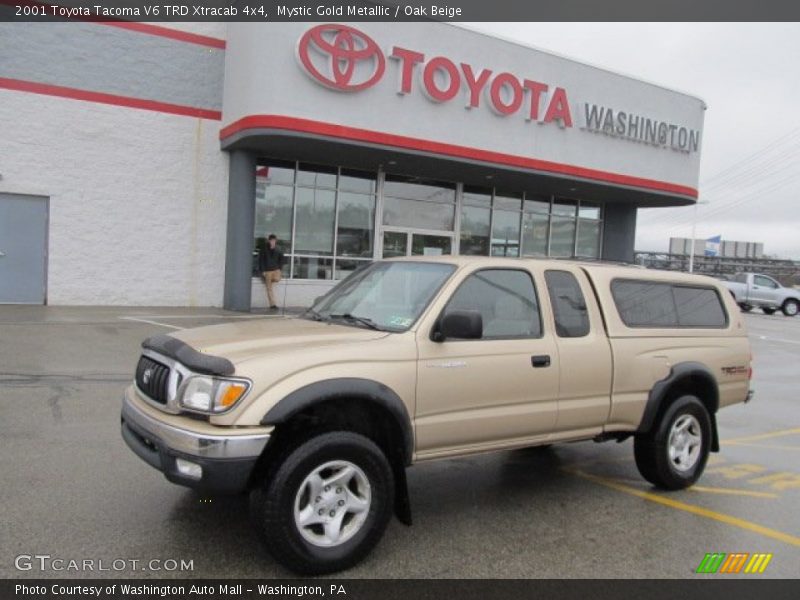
{"x": 680, "y": 372}
{"x": 351, "y": 388}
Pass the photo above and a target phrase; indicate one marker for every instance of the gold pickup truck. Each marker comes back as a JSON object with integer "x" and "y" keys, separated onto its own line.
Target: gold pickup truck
{"x": 409, "y": 360}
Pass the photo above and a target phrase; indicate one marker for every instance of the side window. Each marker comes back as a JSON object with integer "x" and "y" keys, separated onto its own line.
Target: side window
{"x": 766, "y": 282}
{"x": 506, "y": 300}
{"x": 569, "y": 305}
{"x": 645, "y": 303}
{"x": 655, "y": 304}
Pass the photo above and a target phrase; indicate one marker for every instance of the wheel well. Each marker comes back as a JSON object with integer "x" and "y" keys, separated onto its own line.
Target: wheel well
{"x": 697, "y": 385}
{"x": 341, "y": 414}
{"x": 785, "y": 302}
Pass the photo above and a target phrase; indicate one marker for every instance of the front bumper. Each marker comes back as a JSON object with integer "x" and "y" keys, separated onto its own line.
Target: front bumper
{"x": 227, "y": 461}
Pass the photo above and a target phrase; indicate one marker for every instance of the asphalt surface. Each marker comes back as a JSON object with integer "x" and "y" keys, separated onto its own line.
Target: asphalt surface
{"x": 71, "y": 489}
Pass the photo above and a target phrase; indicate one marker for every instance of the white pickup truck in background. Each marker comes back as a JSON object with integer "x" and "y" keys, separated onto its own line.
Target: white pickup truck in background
{"x": 753, "y": 290}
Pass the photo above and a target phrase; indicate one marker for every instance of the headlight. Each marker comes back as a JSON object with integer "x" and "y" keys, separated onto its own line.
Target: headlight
{"x": 211, "y": 395}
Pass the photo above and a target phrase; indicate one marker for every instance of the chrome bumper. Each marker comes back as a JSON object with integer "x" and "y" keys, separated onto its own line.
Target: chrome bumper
{"x": 208, "y": 462}
{"x": 190, "y": 442}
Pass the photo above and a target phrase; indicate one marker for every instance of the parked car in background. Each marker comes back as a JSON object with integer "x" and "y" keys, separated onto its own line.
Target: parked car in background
{"x": 754, "y": 290}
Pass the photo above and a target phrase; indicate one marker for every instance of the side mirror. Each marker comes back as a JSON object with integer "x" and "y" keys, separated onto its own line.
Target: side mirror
{"x": 461, "y": 325}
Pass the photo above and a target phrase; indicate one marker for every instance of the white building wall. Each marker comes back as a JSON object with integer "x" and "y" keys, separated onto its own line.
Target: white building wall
{"x": 137, "y": 199}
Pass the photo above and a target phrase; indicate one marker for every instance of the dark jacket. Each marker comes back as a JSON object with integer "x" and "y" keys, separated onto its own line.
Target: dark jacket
{"x": 270, "y": 259}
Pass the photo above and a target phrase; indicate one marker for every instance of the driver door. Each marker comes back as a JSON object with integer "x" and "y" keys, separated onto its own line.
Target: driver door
{"x": 494, "y": 391}
{"x": 765, "y": 290}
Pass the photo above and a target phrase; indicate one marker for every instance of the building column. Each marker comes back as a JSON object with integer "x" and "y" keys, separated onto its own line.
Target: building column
{"x": 241, "y": 224}
{"x": 619, "y": 232}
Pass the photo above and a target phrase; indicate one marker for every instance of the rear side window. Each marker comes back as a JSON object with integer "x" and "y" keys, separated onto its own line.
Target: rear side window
{"x": 569, "y": 305}
{"x": 507, "y": 302}
{"x": 698, "y": 307}
{"x": 645, "y": 304}
{"x": 656, "y": 304}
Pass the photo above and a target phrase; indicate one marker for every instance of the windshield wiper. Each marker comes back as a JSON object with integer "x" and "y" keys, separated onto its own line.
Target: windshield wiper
{"x": 312, "y": 314}
{"x": 361, "y": 320}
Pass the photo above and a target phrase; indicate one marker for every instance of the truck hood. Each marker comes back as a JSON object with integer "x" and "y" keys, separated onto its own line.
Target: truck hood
{"x": 247, "y": 338}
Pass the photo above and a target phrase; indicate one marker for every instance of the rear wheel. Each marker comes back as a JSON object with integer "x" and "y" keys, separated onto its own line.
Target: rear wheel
{"x": 769, "y": 311}
{"x": 791, "y": 307}
{"x": 746, "y": 307}
{"x": 327, "y": 504}
{"x": 673, "y": 455}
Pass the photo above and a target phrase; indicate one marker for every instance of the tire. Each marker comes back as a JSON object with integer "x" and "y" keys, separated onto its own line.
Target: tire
{"x": 791, "y": 307}
{"x": 653, "y": 450}
{"x": 746, "y": 307}
{"x": 769, "y": 311}
{"x": 361, "y": 502}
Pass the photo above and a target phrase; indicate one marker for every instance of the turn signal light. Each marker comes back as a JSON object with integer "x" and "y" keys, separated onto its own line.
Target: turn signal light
{"x": 232, "y": 394}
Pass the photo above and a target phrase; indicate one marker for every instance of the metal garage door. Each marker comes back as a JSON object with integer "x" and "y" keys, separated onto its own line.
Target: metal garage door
{"x": 23, "y": 248}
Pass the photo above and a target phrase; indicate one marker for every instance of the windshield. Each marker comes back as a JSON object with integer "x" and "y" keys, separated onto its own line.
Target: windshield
{"x": 389, "y": 296}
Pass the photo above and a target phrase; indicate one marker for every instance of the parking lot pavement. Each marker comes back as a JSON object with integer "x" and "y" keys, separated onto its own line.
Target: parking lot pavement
{"x": 71, "y": 489}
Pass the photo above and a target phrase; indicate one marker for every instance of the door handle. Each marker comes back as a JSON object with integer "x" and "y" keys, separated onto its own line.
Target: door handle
{"x": 2, "y": 254}
{"x": 541, "y": 360}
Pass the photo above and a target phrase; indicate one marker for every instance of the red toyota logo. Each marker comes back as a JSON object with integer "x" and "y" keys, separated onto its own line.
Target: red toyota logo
{"x": 335, "y": 55}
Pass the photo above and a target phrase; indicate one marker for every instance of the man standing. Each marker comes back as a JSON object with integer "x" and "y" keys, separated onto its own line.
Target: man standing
{"x": 270, "y": 263}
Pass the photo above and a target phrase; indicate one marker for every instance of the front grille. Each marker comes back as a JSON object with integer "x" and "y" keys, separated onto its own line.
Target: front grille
{"x": 153, "y": 379}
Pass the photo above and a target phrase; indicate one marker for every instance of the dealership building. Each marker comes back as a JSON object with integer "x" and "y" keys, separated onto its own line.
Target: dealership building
{"x": 145, "y": 164}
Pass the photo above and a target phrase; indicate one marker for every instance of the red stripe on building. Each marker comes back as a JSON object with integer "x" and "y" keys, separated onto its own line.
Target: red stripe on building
{"x": 103, "y": 98}
{"x": 173, "y": 34}
{"x": 139, "y": 27}
{"x": 409, "y": 143}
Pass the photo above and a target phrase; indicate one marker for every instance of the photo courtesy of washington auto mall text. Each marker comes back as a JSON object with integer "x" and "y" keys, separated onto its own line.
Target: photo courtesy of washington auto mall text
{"x": 170, "y": 590}
{"x": 399, "y": 299}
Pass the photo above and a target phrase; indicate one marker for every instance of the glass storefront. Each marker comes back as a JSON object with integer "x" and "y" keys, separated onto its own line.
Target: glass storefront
{"x": 418, "y": 203}
{"x": 326, "y": 222}
{"x": 506, "y": 223}
{"x": 476, "y": 213}
{"x": 324, "y": 218}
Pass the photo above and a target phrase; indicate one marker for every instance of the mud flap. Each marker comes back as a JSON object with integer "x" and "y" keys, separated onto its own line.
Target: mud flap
{"x": 402, "y": 503}
{"x": 714, "y": 434}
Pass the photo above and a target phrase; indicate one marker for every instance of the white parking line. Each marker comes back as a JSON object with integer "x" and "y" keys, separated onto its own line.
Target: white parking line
{"x": 150, "y": 318}
{"x": 149, "y": 322}
{"x": 779, "y": 340}
{"x": 205, "y": 316}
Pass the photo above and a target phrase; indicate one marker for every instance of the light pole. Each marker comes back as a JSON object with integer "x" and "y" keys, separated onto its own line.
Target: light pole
{"x": 694, "y": 230}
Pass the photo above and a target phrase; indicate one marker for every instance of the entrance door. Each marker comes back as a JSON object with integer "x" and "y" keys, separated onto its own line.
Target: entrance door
{"x": 397, "y": 242}
{"x": 23, "y": 249}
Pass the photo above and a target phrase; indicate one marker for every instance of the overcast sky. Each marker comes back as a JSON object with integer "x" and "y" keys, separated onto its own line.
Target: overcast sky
{"x": 749, "y": 76}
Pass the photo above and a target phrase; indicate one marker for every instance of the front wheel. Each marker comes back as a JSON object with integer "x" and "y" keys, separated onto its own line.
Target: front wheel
{"x": 791, "y": 307}
{"x": 673, "y": 455}
{"x": 327, "y": 504}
